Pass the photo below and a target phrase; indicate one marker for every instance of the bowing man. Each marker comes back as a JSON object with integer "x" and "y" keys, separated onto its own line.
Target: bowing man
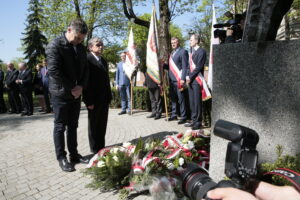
{"x": 97, "y": 95}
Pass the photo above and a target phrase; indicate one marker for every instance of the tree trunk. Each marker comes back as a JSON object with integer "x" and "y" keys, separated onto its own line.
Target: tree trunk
{"x": 76, "y": 4}
{"x": 163, "y": 30}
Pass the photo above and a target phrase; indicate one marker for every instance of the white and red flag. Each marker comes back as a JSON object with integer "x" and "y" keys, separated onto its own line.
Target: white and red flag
{"x": 152, "y": 50}
{"x": 131, "y": 61}
{"x": 213, "y": 41}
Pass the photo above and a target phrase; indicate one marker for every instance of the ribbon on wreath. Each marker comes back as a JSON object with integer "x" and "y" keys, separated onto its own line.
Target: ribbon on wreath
{"x": 172, "y": 142}
{"x": 140, "y": 165}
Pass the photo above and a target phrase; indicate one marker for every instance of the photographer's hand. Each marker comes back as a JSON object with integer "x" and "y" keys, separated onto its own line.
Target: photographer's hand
{"x": 266, "y": 191}
{"x": 230, "y": 194}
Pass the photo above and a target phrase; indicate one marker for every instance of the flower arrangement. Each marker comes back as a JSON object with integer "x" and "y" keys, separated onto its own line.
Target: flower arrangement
{"x": 152, "y": 165}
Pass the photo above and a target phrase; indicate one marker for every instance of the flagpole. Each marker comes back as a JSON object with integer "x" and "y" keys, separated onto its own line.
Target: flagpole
{"x": 131, "y": 97}
{"x": 165, "y": 96}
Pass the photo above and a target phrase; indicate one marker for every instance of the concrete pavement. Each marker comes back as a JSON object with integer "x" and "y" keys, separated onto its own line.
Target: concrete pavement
{"x": 29, "y": 169}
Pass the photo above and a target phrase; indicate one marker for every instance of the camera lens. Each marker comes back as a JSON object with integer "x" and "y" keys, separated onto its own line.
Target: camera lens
{"x": 196, "y": 182}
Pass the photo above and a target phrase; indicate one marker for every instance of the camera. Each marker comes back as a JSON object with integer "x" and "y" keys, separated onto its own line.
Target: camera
{"x": 240, "y": 163}
{"x": 234, "y": 23}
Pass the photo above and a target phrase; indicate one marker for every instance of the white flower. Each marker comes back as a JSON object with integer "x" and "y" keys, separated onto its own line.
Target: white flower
{"x": 181, "y": 161}
{"x": 132, "y": 150}
{"x": 116, "y": 158}
{"x": 126, "y": 144}
{"x": 147, "y": 146}
{"x": 190, "y": 145}
{"x": 170, "y": 166}
{"x": 115, "y": 150}
{"x": 101, "y": 163}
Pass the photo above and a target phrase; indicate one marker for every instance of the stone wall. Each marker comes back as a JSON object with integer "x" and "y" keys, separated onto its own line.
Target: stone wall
{"x": 257, "y": 85}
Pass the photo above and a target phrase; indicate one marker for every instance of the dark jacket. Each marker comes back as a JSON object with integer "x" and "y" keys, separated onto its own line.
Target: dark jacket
{"x": 10, "y": 79}
{"x": 199, "y": 58}
{"x": 181, "y": 59}
{"x": 66, "y": 67}
{"x": 98, "y": 89}
{"x": 26, "y": 77}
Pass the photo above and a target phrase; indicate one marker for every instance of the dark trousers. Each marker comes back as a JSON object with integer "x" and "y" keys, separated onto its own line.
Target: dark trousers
{"x": 14, "y": 100}
{"x": 177, "y": 97}
{"x": 195, "y": 97}
{"x": 27, "y": 101}
{"x": 97, "y": 123}
{"x": 2, "y": 103}
{"x": 66, "y": 114}
{"x": 155, "y": 98}
{"x": 46, "y": 97}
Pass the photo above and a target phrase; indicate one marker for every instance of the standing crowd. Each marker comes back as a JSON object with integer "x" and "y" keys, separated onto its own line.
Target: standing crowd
{"x": 19, "y": 84}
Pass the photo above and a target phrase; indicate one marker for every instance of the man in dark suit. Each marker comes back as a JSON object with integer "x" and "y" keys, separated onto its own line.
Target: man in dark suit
{"x": 2, "y": 103}
{"x": 178, "y": 66}
{"x": 97, "y": 95}
{"x": 68, "y": 75}
{"x": 197, "y": 61}
{"x": 155, "y": 98}
{"x": 24, "y": 82}
{"x": 12, "y": 89}
{"x": 45, "y": 83}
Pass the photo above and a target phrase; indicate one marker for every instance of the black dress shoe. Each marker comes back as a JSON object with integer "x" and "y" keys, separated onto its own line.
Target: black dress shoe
{"x": 29, "y": 114}
{"x": 65, "y": 165}
{"x": 182, "y": 121}
{"x": 122, "y": 113}
{"x": 150, "y": 116}
{"x": 196, "y": 127}
{"x": 24, "y": 113}
{"x": 79, "y": 159}
{"x": 188, "y": 125}
{"x": 157, "y": 117}
{"x": 172, "y": 118}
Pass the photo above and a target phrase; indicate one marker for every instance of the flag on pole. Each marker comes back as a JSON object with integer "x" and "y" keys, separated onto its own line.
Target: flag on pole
{"x": 131, "y": 61}
{"x": 152, "y": 50}
{"x": 213, "y": 41}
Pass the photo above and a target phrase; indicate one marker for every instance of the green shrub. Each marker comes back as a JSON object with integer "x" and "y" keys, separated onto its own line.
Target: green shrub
{"x": 141, "y": 100}
{"x": 286, "y": 161}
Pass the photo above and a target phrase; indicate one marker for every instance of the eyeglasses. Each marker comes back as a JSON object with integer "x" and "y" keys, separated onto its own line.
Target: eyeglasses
{"x": 98, "y": 45}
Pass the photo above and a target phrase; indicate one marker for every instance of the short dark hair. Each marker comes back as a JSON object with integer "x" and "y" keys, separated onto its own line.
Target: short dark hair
{"x": 79, "y": 26}
{"x": 197, "y": 37}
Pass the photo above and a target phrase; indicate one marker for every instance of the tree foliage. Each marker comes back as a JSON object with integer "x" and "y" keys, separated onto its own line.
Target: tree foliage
{"x": 141, "y": 35}
{"x": 34, "y": 41}
{"x": 104, "y": 18}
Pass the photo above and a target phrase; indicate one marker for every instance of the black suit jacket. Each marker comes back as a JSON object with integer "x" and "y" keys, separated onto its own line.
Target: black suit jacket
{"x": 98, "y": 89}
{"x": 181, "y": 59}
{"x": 66, "y": 67}
{"x": 26, "y": 78}
{"x": 10, "y": 79}
{"x": 199, "y": 58}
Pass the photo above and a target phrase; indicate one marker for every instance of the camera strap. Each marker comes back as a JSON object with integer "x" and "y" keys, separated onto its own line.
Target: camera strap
{"x": 288, "y": 174}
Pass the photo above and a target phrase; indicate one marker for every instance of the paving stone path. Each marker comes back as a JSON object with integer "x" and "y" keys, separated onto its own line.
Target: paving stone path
{"x": 29, "y": 170}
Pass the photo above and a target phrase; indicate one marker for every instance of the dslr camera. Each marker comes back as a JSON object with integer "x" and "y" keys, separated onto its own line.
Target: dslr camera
{"x": 234, "y": 23}
{"x": 240, "y": 164}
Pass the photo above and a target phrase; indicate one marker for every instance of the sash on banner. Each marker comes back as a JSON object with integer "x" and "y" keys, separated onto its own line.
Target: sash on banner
{"x": 200, "y": 80}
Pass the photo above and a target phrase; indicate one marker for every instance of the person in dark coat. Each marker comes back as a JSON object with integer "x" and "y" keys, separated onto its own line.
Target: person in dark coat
{"x": 12, "y": 89}
{"x": 178, "y": 66}
{"x": 155, "y": 97}
{"x": 97, "y": 95}
{"x": 68, "y": 75}
{"x": 38, "y": 87}
{"x": 2, "y": 103}
{"x": 198, "y": 58}
{"x": 24, "y": 82}
{"x": 45, "y": 83}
